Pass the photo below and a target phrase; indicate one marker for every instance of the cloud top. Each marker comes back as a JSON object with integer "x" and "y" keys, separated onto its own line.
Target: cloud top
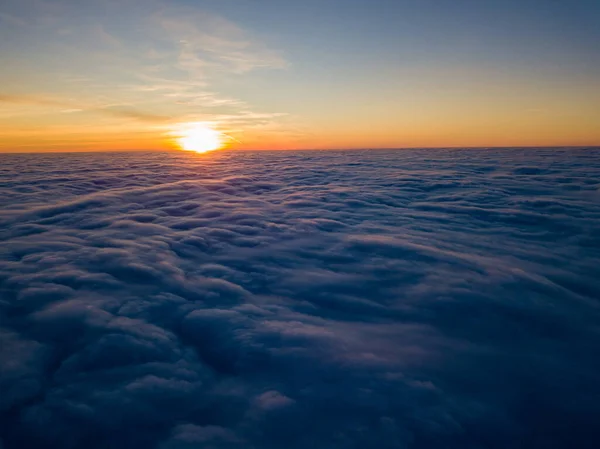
{"x": 310, "y": 299}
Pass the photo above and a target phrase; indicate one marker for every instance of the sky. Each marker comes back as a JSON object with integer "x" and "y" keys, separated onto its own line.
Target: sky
{"x": 121, "y": 75}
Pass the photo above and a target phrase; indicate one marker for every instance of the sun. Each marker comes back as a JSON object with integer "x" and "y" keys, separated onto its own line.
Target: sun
{"x": 200, "y": 138}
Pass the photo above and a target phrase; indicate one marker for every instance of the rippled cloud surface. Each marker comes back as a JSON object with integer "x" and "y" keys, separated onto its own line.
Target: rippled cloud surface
{"x": 410, "y": 299}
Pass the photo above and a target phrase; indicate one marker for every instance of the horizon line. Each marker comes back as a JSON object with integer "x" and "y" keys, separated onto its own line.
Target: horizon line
{"x": 171, "y": 150}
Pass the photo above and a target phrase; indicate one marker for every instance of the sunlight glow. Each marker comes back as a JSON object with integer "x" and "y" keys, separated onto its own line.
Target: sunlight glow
{"x": 200, "y": 138}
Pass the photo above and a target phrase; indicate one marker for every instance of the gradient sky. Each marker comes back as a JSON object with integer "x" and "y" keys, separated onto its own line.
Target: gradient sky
{"x": 273, "y": 74}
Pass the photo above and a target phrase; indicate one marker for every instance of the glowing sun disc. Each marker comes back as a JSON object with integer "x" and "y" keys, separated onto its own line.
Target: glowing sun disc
{"x": 200, "y": 139}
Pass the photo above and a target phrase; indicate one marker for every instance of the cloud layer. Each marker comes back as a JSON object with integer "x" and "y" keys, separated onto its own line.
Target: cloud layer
{"x": 409, "y": 299}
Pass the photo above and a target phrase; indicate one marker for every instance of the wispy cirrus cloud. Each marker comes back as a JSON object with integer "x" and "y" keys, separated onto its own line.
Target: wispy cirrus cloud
{"x": 123, "y": 111}
{"x": 211, "y": 42}
{"x": 203, "y": 47}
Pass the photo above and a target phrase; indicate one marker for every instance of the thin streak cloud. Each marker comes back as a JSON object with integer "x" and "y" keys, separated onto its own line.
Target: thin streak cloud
{"x": 113, "y": 110}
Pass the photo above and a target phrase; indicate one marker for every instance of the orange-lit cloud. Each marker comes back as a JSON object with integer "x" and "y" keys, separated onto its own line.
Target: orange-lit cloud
{"x": 110, "y": 110}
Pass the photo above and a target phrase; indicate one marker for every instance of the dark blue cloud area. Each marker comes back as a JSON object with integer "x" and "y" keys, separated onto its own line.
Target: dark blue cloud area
{"x": 411, "y": 299}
